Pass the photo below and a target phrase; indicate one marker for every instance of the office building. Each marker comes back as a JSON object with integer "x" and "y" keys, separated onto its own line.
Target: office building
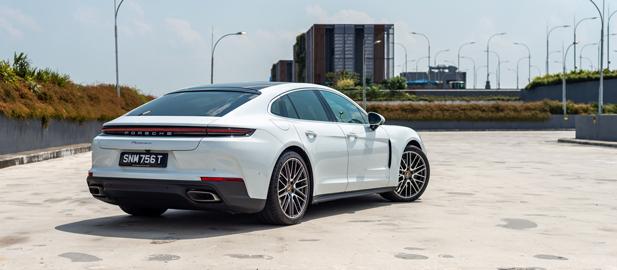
{"x": 282, "y": 71}
{"x": 328, "y": 48}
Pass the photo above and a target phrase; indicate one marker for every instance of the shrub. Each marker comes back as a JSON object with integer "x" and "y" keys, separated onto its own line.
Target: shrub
{"x": 22, "y": 66}
{"x": 345, "y": 84}
{"x": 332, "y": 78}
{"x": 49, "y": 76}
{"x": 7, "y": 74}
{"x": 395, "y": 83}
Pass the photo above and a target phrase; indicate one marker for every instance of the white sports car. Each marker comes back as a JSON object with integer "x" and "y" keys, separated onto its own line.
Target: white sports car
{"x": 266, "y": 148}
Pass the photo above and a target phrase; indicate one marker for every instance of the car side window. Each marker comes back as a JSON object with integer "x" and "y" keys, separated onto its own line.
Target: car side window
{"x": 308, "y": 106}
{"x": 283, "y": 107}
{"x": 344, "y": 110}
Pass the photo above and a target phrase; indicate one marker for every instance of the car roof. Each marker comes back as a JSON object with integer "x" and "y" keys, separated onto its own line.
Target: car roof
{"x": 254, "y": 87}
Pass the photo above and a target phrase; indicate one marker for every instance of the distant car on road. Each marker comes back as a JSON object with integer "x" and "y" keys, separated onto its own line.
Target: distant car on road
{"x": 266, "y": 148}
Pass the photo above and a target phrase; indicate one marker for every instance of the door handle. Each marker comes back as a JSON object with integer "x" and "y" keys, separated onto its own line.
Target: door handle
{"x": 310, "y": 134}
{"x": 352, "y": 136}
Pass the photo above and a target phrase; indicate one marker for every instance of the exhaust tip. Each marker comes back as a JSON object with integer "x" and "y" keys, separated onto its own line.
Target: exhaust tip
{"x": 202, "y": 196}
{"x": 96, "y": 191}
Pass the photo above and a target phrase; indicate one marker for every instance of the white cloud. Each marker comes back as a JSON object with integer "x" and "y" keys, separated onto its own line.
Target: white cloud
{"x": 184, "y": 31}
{"x": 15, "y": 23}
{"x": 342, "y": 16}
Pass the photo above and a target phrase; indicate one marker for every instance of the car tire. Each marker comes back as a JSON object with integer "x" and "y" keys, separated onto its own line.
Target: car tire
{"x": 288, "y": 195}
{"x": 412, "y": 180}
{"x": 139, "y": 211}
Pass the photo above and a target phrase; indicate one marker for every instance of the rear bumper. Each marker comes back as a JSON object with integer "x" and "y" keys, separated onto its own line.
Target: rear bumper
{"x": 172, "y": 194}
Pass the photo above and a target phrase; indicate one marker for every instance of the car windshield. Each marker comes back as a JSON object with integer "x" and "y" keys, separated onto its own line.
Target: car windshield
{"x": 198, "y": 103}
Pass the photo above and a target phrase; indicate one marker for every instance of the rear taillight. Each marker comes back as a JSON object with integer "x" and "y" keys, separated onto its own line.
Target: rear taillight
{"x": 176, "y": 131}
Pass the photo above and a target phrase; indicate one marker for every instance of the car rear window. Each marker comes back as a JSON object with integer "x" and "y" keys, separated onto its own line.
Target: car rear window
{"x": 199, "y": 103}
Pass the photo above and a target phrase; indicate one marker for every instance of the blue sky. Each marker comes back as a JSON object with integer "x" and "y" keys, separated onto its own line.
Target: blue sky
{"x": 165, "y": 45}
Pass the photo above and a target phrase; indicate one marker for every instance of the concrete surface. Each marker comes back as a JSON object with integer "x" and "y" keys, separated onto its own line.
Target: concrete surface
{"x": 496, "y": 200}
{"x": 42, "y": 154}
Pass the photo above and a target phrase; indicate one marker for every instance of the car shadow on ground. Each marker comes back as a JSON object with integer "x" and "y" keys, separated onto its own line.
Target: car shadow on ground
{"x": 181, "y": 224}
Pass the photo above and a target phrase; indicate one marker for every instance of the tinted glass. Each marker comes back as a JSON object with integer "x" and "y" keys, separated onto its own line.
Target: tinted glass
{"x": 343, "y": 109}
{"x": 283, "y": 107}
{"x": 206, "y": 103}
{"x": 308, "y": 106}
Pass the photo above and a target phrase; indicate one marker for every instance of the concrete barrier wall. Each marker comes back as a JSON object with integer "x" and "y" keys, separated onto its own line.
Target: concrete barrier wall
{"x": 602, "y": 127}
{"x": 24, "y": 135}
{"x": 556, "y": 122}
{"x": 582, "y": 92}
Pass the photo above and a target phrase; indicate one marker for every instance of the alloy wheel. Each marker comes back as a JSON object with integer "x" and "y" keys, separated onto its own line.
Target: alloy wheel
{"x": 293, "y": 188}
{"x": 411, "y": 176}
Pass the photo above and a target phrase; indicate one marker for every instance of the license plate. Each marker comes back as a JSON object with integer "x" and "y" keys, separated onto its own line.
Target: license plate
{"x": 156, "y": 160}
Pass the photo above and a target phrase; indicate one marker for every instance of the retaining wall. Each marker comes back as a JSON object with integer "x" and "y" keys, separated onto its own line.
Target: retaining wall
{"x": 601, "y": 127}
{"x": 18, "y": 135}
{"x": 581, "y": 92}
{"x": 556, "y": 122}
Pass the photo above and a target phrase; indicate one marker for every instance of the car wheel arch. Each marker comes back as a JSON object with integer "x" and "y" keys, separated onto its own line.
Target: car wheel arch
{"x": 307, "y": 160}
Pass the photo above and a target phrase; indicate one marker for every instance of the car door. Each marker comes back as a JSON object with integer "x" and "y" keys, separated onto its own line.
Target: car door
{"x": 324, "y": 141}
{"x": 368, "y": 149}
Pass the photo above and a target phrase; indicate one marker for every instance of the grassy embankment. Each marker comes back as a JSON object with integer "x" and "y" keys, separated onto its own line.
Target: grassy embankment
{"x": 28, "y": 92}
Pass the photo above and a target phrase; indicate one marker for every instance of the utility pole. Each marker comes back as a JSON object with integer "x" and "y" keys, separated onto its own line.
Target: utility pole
{"x": 116, "y": 9}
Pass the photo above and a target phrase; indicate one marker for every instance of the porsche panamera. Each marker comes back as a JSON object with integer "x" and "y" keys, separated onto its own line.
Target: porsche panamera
{"x": 271, "y": 149}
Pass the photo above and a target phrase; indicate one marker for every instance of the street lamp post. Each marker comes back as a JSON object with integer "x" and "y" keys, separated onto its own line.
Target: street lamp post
{"x": 563, "y": 82}
{"x": 438, "y": 53}
{"x": 498, "y": 71}
{"x": 518, "y": 63}
{"x": 214, "y": 49}
{"x": 601, "y": 88}
{"x": 428, "y": 41}
{"x": 575, "y": 41}
{"x": 458, "y": 63}
{"x": 488, "y": 44}
{"x": 529, "y": 57}
{"x": 583, "y": 50}
{"x": 364, "y": 72}
{"x": 608, "y": 40}
{"x": 404, "y": 49}
{"x": 116, "y": 9}
{"x": 419, "y": 60}
{"x": 548, "y": 36}
{"x": 474, "y": 69}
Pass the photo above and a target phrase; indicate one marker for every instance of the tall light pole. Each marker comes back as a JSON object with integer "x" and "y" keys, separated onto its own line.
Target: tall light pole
{"x": 428, "y": 41}
{"x": 419, "y": 60}
{"x": 528, "y": 57}
{"x": 563, "y": 82}
{"x": 583, "y": 50}
{"x": 518, "y": 63}
{"x": 438, "y": 53}
{"x": 548, "y": 37}
{"x": 576, "y": 24}
{"x": 591, "y": 67}
{"x": 498, "y": 71}
{"x": 608, "y": 40}
{"x": 474, "y": 69}
{"x": 364, "y": 72}
{"x": 458, "y": 63}
{"x": 404, "y": 49}
{"x": 601, "y": 88}
{"x": 116, "y": 9}
{"x": 214, "y": 49}
{"x": 488, "y": 49}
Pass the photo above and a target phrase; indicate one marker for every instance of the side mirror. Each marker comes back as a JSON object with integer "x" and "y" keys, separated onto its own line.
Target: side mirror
{"x": 375, "y": 120}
